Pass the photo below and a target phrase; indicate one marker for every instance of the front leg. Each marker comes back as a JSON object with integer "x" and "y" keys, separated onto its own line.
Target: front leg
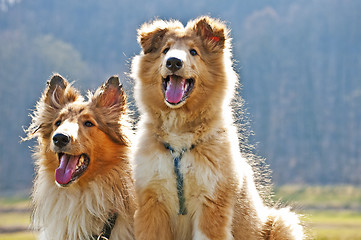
{"x": 214, "y": 220}
{"x": 152, "y": 221}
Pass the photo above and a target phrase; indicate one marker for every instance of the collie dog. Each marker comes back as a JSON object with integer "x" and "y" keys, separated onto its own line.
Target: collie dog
{"x": 191, "y": 180}
{"x": 83, "y": 187}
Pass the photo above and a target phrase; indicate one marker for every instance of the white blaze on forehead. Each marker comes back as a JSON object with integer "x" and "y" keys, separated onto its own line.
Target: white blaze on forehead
{"x": 70, "y": 128}
{"x": 178, "y": 51}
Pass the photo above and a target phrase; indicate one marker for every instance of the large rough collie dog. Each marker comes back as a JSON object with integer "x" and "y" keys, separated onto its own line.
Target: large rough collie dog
{"x": 83, "y": 187}
{"x": 191, "y": 180}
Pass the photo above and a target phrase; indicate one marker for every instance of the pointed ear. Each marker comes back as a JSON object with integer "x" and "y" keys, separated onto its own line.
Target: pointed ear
{"x": 59, "y": 92}
{"x": 110, "y": 94}
{"x": 213, "y": 32}
{"x": 150, "y": 35}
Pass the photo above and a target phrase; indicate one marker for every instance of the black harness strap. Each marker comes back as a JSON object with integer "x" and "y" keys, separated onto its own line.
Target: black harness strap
{"x": 108, "y": 227}
{"x": 177, "y": 156}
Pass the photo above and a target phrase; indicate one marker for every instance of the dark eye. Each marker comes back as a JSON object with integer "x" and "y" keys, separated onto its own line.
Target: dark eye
{"x": 193, "y": 52}
{"x": 88, "y": 124}
{"x": 57, "y": 123}
{"x": 166, "y": 50}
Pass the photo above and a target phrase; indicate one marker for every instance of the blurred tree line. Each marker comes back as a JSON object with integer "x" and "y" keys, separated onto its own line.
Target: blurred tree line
{"x": 299, "y": 63}
{"x": 302, "y": 78}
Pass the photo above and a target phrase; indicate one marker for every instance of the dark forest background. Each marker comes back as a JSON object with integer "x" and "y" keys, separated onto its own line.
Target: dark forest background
{"x": 299, "y": 63}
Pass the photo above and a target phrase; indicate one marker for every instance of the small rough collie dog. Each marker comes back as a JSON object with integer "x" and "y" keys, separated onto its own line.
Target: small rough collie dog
{"x": 83, "y": 187}
{"x": 191, "y": 180}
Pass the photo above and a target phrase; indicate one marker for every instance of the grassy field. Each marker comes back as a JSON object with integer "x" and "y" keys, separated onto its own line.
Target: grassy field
{"x": 334, "y": 225}
{"x": 18, "y": 236}
{"x": 322, "y": 197}
{"x": 331, "y": 212}
{"x": 15, "y": 219}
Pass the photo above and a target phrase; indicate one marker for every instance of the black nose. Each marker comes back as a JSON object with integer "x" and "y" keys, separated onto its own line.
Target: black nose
{"x": 61, "y": 140}
{"x": 174, "y": 64}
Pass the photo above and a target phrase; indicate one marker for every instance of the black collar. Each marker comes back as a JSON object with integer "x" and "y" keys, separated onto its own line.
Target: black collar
{"x": 108, "y": 227}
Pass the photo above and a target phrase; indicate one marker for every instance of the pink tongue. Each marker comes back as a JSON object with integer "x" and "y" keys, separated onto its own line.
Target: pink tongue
{"x": 175, "y": 89}
{"x": 66, "y": 168}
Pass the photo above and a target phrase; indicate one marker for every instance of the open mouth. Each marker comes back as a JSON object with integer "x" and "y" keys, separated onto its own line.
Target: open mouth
{"x": 176, "y": 89}
{"x": 70, "y": 168}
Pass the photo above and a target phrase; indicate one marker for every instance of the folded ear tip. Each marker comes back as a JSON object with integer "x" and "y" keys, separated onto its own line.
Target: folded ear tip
{"x": 114, "y": 80}
{"x": 109, "y": 93}
{"x": 57, "y": 80}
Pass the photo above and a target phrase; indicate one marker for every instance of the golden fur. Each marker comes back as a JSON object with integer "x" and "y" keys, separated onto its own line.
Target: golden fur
{"x": 80, "y": 208}
{"x": 219, "y": 189}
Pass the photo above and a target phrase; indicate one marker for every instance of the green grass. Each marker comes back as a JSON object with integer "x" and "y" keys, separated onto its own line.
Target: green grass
{"x": 333, "y": 225}
{"x": 14, "y": 219}
{"x": 329, "y": 212}
{"x": 18, "y": 236}
{"x": 321, "y": 197}
{"x": 346, "y": 218}
{"x": 14, "y": 202}
{"x": 15, "y": 213}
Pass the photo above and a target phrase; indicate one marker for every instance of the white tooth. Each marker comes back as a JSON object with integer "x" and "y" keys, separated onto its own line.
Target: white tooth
{"x": 81, "y": 160}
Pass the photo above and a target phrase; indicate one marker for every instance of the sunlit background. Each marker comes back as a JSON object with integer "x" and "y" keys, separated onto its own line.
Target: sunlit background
{"x": 299, "y": 63}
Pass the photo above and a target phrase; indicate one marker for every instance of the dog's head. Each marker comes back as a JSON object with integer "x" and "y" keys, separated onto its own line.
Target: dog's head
{"x": 182, "y": 66}
{"x": 78, "y": 139}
